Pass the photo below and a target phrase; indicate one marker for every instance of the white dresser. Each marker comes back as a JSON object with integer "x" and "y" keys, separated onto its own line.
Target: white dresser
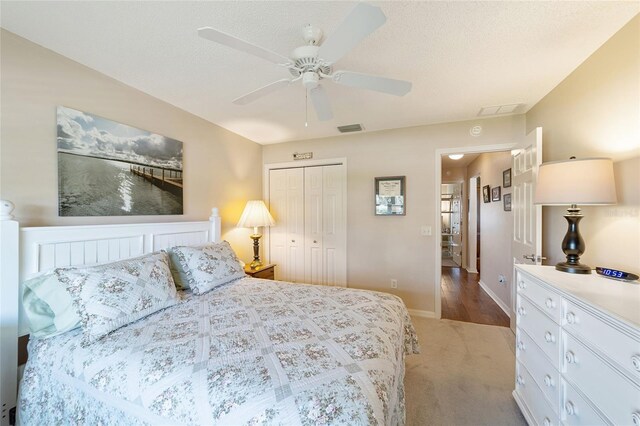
{"x": 577, "y": 348}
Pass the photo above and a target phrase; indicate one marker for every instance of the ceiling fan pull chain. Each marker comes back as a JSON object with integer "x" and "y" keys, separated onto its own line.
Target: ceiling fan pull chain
{"x": 306, "y": 107}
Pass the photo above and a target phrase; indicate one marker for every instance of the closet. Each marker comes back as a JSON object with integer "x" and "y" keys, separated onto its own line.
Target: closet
{"x": 308, "y": 242}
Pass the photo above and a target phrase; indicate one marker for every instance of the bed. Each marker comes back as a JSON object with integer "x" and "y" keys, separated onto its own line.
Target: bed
{"x": 248, "y": 352}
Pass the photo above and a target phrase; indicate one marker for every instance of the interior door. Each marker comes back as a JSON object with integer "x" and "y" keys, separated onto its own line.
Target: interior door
{"x": 334, "y": 223}
{"x": 278, "y": 232}
{"x": 526, "y": 244}
{"x": 295, "y": 225}
{"x": 313, "y": 258}
{"x": 286, "y": 238}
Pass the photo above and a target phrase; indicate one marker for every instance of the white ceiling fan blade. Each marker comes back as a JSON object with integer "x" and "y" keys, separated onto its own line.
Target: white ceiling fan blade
{"x": 362, "y": 21}
{"x": 244, "y": 46}
{"x": 321, "y": 103}
{"x": 372, "y": 82}
{"x": 263, "y": 91}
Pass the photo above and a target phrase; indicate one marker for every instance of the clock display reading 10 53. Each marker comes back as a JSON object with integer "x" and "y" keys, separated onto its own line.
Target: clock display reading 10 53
{"x": 616, "y": 274}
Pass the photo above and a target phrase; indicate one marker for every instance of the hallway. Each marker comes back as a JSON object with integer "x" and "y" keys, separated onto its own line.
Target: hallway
{"x": 464, "y": 300}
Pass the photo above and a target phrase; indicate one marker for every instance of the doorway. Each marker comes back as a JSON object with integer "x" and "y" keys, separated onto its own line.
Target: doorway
{"x": 468, "y": 289}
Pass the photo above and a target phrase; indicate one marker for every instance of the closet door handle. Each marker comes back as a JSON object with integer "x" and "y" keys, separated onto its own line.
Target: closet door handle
{"x": 315, "y": 242}
{"x": 293, "y": 241}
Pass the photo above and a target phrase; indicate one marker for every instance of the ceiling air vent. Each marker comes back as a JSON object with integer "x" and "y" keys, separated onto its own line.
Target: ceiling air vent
{"x": 351, "y": 128}
{"x": 499, "y": 109}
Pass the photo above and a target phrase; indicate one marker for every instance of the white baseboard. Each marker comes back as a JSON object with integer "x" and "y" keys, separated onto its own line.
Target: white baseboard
{"x": 472, "y": 270}
{"x": 422, "y": 314}
{"x": 495, "y": 298}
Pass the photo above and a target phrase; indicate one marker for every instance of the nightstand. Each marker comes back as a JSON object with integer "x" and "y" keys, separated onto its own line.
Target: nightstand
{"x": 265, "y": 271}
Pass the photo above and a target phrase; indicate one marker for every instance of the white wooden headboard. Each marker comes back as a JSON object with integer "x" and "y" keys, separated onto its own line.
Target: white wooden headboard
{"x": 27, "y": 252}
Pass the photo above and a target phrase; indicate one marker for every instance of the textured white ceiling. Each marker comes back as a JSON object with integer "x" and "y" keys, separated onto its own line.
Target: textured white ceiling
{"x": 460, "y": 56}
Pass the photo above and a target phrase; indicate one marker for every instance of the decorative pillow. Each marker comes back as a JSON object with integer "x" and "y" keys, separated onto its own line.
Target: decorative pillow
{"x": 48, "y": 307}
{"x": 110, "y": 296}
{"x": 206, "y": 267}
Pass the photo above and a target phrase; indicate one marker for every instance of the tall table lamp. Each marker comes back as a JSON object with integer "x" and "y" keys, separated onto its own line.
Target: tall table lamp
{"x": 255, "y": 215}
{"x": 572, "y": 182}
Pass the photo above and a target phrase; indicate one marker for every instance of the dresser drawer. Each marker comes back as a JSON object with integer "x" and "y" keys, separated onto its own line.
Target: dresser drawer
{"x": 576, "y": 410}
{"x": 547, "y": 300}
{"x": 547, "y": 377}
{"x": 529, "y": 392}
{"x": 614, "y": 394}
{"x": 615, "y": 344}
{"x": 544, "y": 332}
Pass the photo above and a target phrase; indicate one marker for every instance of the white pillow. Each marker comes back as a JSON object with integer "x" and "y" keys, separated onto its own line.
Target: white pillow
{"x": 113, "y": 295}
{"x": 207, "y": 267}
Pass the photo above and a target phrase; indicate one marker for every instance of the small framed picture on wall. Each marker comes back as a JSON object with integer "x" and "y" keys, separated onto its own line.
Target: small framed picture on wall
{"x": 390, "y": 196}
{"x": 495, "y": 194}
{"x": 506, "y": 178}
{"x": 507, "y": 202}
{"x": 485, "y": 194}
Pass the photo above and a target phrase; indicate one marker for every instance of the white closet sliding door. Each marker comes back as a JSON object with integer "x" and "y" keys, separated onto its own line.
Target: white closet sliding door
{"x": 308, "y": 243}
{"x": 313, "y": 212}
{"x": 286, "y": 195}
{"x": 334, "y": 226}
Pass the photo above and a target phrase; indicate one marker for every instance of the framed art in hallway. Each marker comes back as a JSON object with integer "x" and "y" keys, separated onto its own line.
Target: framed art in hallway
{"x": 506, "y": 200}
{"x": 495, "y": 194}
{"x": 107, "y": 168}
{"x": 506, "y": 178}
{"x": 485, "y": 194}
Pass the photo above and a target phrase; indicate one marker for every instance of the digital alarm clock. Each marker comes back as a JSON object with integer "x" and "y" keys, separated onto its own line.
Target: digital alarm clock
{"x": 615, "y": 274}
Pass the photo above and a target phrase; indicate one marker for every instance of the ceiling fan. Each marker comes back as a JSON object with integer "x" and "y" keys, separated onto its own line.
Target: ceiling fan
{"x": 313, "y": 62}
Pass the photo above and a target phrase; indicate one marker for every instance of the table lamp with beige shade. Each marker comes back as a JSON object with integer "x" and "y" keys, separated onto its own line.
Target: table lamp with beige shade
{"x": 255, "y": 215}
{"x": 574, "y": 182}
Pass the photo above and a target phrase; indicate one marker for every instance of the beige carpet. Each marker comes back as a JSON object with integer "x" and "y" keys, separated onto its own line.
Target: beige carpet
{"x": 464, "y": 375}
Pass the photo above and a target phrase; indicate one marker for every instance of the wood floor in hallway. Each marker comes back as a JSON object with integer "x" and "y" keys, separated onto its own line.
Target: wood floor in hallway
{"x": 464, "y": 300}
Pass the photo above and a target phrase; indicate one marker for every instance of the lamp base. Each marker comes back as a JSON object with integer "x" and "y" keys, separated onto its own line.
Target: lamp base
{"x": 573, "y": 268}
{"x": 573, "y": 245}
{"x": 256, "y": 251}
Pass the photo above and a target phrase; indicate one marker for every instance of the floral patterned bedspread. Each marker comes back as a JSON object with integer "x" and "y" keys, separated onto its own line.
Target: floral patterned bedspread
{"x": 250, "y": 352}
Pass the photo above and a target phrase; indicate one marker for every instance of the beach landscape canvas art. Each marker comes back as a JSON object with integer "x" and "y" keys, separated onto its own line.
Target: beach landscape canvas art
{"x": 110, "y": 169}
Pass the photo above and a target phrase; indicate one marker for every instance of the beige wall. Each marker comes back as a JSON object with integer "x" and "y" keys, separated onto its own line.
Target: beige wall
{"x": 496, "y": 225}
{"x": 381, "y": 248}
{"x": 222, "y": 169}
{"x": 595, "y": 112}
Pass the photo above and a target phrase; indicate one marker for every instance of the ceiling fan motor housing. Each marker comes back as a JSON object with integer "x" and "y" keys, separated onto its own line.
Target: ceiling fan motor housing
{"x": 305, "y": 58}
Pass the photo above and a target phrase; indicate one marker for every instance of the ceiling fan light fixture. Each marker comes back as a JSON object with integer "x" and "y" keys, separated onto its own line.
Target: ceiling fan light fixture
{"x": 310, "y": 80}
{"x": 456, "y": 156}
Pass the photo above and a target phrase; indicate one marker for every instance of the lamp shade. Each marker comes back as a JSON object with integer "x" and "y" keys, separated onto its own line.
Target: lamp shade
{"x": 255, "y": 214}
{"x": 578, "y": 181}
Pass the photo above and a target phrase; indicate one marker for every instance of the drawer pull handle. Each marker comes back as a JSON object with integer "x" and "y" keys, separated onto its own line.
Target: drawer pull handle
{"x": 548, "y": 381}
{"x": 635, "y": 360}
{"x": 521, "y": 345}
{"x": 549, "y": 303}
{"x": 571, "y": 318}
{"x": 546, "y": 421}
{"x": 522, "y": 311}
{"x": 549, "y": 337}
{"x": 520, "y": 380}
{"x": 293, "y": 241}
{"x": 570, "y": 357}
{"x": 522, "y": 284}
{"x": 570, "y": 408}
{"x": 635, "y": 417}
